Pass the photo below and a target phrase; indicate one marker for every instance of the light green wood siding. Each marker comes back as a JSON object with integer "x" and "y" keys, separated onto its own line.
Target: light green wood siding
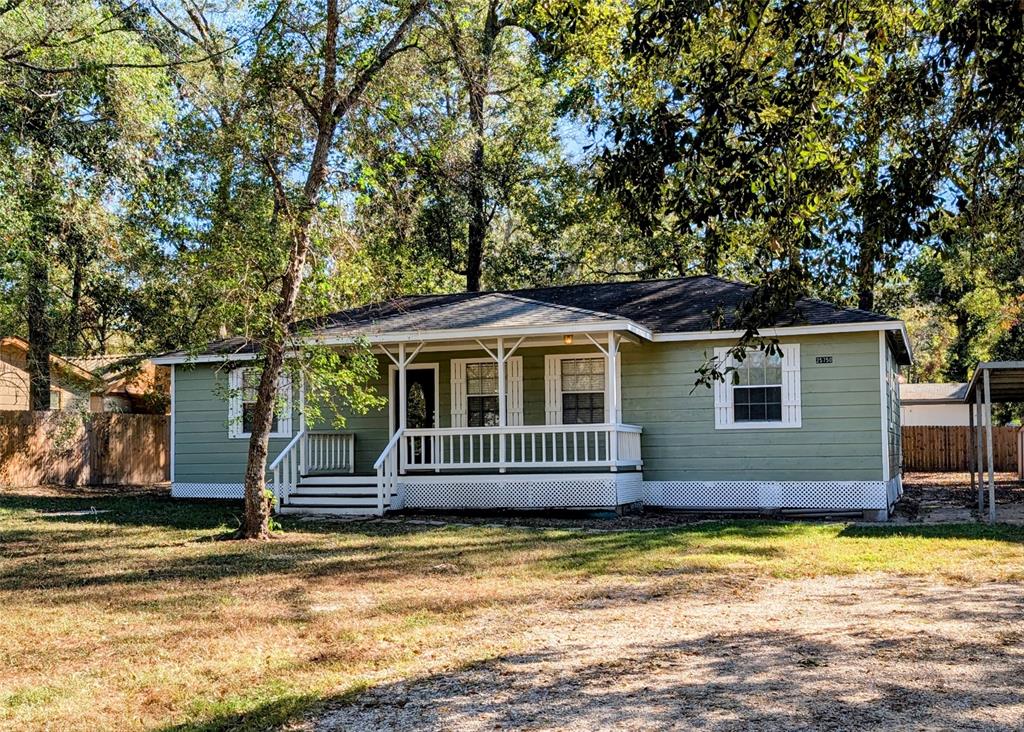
{"x": 840, "y": 437}
{"x": 203, "y": 452}
{"x": 372, "y": 428}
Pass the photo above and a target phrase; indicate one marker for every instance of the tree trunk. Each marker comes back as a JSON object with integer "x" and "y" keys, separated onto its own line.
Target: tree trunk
{"x": 332, "y": 109}
{"x": 476, "y": 74}
{"x": 477, "y": 197}
{"x": 73, "y": 328}
{"x": 39, "y": 336}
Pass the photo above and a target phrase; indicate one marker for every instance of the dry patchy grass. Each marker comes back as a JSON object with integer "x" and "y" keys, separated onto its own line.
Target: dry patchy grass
{"x": 138, "y": 617}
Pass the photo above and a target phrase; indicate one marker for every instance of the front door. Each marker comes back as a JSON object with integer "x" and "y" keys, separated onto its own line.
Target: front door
{"x": 421, "y": 408}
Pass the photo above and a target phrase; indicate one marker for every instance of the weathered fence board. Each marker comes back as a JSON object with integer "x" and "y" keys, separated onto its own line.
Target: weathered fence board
{"x": 70, "y": 448}
{"x": 949, "y": 449}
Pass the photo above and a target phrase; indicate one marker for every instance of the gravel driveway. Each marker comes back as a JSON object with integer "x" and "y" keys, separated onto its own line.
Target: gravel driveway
{"x": 865, "y": 652}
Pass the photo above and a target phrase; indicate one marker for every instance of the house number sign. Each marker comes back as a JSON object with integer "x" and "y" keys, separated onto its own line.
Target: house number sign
{"x": 823, "y": 360}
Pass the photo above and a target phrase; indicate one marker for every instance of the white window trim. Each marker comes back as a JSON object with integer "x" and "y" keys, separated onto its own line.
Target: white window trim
{"x": 284, "y": 420}
{"x": 791, "y": 403}
{"x": 513, "y": 387}
{"x": 553, "y": 384}
{"x": 393, "y": 388}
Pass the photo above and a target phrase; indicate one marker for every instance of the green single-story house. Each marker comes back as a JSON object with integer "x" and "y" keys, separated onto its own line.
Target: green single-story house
{"x": 575, "y": 397}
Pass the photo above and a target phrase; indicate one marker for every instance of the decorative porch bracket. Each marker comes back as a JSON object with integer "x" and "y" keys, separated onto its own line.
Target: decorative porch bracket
{"x": 501, "y": 357}
{"x": 402, "y": 363}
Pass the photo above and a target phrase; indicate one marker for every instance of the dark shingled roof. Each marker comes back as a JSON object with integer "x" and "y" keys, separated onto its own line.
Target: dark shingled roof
{"x": 686, "y": 304}
{"x": 682, "y": 305}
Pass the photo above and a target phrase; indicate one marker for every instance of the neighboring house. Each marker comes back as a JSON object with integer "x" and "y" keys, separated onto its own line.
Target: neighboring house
{"x": 70, "y": 385}
{"x": 96, "y": 383}
{"x": 595, "y": 407}
{"x": 934, "y": 405}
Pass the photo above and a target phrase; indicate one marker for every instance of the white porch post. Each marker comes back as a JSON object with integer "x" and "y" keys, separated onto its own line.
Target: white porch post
{"x": 971, "y": 432}
{"x": 989, "y": 449}
{"x": 502, "y": 403}
{"x": 302, "y": 422}
{"x": 979, "y": 459}
{"x": 612, "y": 398}
{"x": 402, "y": 405}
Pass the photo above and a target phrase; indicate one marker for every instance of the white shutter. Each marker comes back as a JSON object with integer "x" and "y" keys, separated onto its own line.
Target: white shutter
{"x": 514, "y": 390}
{"x": 791, "y": 384}
{"x": 552, "y": 390}
{"x": 723, "y": 391}
{"x": 284, "y": 417}
{"x": 235, "y": 403}
{"x": 458, "y": 394}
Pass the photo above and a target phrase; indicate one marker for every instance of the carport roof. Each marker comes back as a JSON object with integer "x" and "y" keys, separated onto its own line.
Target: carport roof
{"x": 1006, "y": 381}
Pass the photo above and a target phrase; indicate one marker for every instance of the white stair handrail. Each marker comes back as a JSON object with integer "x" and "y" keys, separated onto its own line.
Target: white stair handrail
{"x": 285, "y": 469}
{"x": 387, "y": 469}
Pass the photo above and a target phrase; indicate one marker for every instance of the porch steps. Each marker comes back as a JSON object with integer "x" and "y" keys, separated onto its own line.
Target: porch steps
{"x": 338, "y": 495}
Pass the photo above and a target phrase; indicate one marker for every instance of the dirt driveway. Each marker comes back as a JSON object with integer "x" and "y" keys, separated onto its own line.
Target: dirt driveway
{"x": 869, "y": 652}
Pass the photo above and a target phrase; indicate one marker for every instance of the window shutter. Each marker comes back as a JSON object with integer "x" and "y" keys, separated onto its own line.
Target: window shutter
{"x": 514, "y": 396}
{"x": 791, "y": 384}
{"x": 284, "y": 418}
{"x": 723, "y": 391}
{"x": 235, "y": 403}
{"x": 458, "y": 395}
{"x": 552, "y": 390}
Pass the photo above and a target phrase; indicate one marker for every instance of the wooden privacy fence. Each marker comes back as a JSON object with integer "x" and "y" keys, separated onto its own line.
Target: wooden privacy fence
{"x": 949, "y": 449}
{"x": 70, "y": 448}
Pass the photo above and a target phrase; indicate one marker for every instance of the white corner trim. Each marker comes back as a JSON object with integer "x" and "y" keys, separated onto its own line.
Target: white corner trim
{"x": 883, "y": 388}
{"x": 173, "y": 411}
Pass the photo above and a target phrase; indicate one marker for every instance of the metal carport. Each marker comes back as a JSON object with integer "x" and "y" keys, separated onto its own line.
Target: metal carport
{"x": 993, "y": 382}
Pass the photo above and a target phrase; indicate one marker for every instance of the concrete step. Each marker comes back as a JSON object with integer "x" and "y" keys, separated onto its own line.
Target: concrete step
{"x": 297, "y": 499}
{"x": 330, "y": 510}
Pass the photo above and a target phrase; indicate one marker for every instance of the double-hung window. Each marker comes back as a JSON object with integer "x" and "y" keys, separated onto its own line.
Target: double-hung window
{"x": 583, "y": 385}
{"x": 762, "y": 390}
{"x": 482, "y": 394}
{"x": 757, "y": 388}
{"x": 474, "y": 394}
{"x": 244, "y": 386}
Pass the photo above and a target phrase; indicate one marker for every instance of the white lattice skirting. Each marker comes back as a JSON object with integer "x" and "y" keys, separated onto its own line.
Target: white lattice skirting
{"x": 207, "y": 490}
{"x": 598, "y": 490}
{"x": 834, "y": 495}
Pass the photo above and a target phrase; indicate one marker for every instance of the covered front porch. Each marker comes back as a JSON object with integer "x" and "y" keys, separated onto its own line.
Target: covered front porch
{"x": 486, "y": 420}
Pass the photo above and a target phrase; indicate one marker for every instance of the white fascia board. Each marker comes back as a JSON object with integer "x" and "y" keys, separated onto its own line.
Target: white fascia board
{"x": 486, "y": 332}
{"x": 203, "y": 358}
{"x": 795, "y": 330}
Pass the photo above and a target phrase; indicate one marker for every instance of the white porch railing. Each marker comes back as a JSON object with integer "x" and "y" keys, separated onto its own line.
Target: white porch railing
{"x": 286, "y": 470}
{"x": 387, "y": 471}
{"x": 307, "y": 452}
{"x": 327, "y": 451}
{"x": 547, "y": 446}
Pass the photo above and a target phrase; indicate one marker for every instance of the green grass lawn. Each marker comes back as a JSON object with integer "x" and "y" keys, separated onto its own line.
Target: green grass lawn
{"x": 140, "y": 618}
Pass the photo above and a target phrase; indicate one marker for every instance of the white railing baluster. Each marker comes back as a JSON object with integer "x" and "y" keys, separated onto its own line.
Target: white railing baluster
{"x": 603, "y": 445}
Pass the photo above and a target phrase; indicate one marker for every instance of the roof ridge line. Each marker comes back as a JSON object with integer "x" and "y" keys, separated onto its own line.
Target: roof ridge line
{"x": 558, "y": 306}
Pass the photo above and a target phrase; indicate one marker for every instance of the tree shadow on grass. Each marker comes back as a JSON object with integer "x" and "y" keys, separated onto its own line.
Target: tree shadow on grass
{"x": 997, "y": 532}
